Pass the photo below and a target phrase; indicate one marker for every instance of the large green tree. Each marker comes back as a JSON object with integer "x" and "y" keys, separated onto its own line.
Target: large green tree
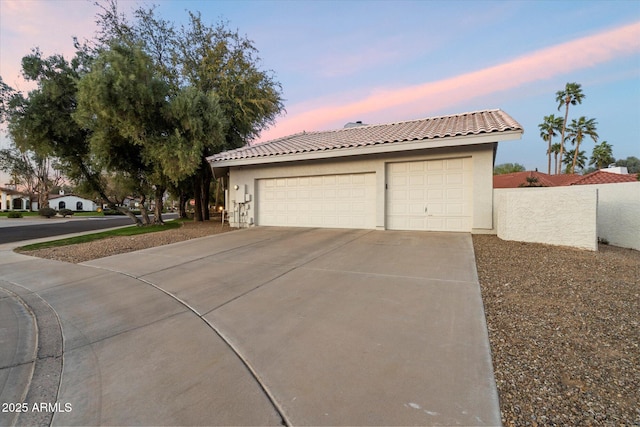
{"x": 602, "y": 155}
{"x": 632, "y": 164}
{"x": 43, "y": 121}
{"x": 205, "y": 61}
{"x": 578, "y": 131}
{"x": 505, "y": 168}
{"x": 570, "y": 95}
{"x": 548, "y": 130}
{"x": 122, "y": 103}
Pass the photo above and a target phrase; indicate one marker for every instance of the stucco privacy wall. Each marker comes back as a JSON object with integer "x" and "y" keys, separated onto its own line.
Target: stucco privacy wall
{"x": 245, "y": 177}
{"x": 565, "y": 216}
{"x": 619, "y": 213}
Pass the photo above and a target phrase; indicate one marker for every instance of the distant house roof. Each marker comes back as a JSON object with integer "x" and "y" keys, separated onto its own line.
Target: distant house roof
{"x": 602, "y": 177}
{"x": 430, "y": 132}
{"x": 11, "y": 191}
{"x": 519, "y": 179}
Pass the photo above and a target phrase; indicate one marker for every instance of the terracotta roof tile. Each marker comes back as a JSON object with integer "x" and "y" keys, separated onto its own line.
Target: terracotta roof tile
{"x": 474, "y": 123}
{"x": 601, "y": 177}
{"x": 519, "y": 179}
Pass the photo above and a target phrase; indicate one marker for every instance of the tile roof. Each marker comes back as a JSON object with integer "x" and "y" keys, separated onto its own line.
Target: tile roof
{"x": 465, "y": 124}
{"x": 602, "y": 177}
{"x": 519, "y": 179}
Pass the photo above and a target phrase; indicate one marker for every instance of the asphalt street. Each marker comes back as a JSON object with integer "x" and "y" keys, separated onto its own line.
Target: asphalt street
{"x": 29, "y": 228}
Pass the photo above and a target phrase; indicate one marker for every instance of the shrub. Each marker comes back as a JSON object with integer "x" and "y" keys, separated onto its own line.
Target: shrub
{"x": 47, "y": 212}
{"x": 65, "y": 212}
{"x": 14, "y": 215}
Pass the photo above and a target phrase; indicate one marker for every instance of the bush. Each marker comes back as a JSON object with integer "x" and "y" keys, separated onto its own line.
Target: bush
{"x": 65, "y": 212}
{"x": 14, "y": 215}
{"x": 47, "y": 212}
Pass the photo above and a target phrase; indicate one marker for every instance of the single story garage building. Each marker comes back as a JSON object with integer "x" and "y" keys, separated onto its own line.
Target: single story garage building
{"x": 433, "y": 174}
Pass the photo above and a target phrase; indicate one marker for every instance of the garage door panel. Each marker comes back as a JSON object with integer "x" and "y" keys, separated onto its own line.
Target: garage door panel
{"x": 344, "y": 200}
{"x": 430, "y": 195}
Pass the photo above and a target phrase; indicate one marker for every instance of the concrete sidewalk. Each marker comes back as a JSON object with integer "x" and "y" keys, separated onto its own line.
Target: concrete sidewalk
{"x": 268, "y": 326}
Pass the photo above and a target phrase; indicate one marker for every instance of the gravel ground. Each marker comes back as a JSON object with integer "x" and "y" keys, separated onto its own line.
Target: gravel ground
{"x": 564, "y": 327}
{"x": 564, "y": 324}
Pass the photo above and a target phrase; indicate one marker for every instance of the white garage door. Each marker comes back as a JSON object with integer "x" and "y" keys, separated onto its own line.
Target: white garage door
{"x": 434, "y": 195}
{"x": 334, "y": 201}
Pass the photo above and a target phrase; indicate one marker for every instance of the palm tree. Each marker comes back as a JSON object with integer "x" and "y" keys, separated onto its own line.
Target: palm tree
{"x": 578, "y": 130}
{"x": 555, "y": 149}
{"x": 548, "y": 129}
{"x": 569, "y": 156}
{"x": 572, "y": 94}
{"x": 602, "y": 155}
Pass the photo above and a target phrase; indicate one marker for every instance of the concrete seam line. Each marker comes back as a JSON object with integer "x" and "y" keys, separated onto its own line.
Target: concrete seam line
{"x": 244, "y": 361}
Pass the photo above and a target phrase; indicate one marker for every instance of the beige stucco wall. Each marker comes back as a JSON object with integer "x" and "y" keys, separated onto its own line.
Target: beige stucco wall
{"x": 565, "y": 216}
{"x": 619, "y": 213}
{"x": 245, "y": 177}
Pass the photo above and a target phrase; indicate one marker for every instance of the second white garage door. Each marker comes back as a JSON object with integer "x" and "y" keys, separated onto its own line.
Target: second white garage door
{"x": 336, "y": 201}
{"x": 434, "y": 195}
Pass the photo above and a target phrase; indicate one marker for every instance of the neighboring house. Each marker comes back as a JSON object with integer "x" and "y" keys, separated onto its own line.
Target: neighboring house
{"x": 70, "y": 201}
{"x": 524, "y": 179}
{"x": 604, "y": 177}
{"x": 430, "y": 174}
{"x": 13, "y": 200}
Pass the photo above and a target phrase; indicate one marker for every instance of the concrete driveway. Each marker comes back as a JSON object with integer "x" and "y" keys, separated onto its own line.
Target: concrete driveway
{"x": 265, "y": 326}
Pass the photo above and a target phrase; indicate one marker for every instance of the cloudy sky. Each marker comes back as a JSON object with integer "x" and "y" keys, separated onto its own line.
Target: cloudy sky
{"x": 380, "y": 62}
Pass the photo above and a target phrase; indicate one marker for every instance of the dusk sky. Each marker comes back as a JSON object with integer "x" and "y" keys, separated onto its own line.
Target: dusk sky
{"x": 382, "y": 62}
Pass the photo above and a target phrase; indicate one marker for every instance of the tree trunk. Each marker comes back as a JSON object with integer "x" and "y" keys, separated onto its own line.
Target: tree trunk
{"x": 127, "y": 212}
{"x": 202, "y": 182}
{"x": 143, "y": 211}
{"x": 182, "y": 204}
{"x": 157, "y": 213}
{"x": 549, "y": 153}
{"x": 197, "y": 190}
{"x": 206, "y": 194}
{"x": 564, "y": 128}
{"x": 575, "y": 157}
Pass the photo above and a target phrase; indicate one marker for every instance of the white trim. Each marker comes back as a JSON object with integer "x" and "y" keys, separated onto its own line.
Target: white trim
{"x": 387, "y": 147}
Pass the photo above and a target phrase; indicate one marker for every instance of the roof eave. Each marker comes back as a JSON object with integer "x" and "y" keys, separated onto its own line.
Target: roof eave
{"x": 389, "y": 147}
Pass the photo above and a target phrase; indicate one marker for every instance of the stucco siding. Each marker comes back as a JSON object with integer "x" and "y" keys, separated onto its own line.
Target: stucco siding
{"x": 245, "y": 177}
{"x": 619, "y": 213}
{"x": 565, "y": 216}
{"x": 71, "y": 202}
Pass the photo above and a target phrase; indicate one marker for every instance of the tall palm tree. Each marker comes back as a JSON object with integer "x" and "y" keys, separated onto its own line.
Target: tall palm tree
{"x": 555, "y": 149}
{"x": 571, "y": 95}
{"x": 578, "y": 130}
{"x": 548, "y": 129}
{"x": 569, "y": 156}
{"x": 602, "y": 155}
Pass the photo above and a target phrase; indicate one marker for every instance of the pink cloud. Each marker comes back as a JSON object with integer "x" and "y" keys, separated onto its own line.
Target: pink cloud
{"x": 428, "y": 97}
{"x": 49, "y": 25}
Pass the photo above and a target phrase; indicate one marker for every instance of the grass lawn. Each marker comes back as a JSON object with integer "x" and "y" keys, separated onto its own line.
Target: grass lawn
{"x": 126, "y": 231}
